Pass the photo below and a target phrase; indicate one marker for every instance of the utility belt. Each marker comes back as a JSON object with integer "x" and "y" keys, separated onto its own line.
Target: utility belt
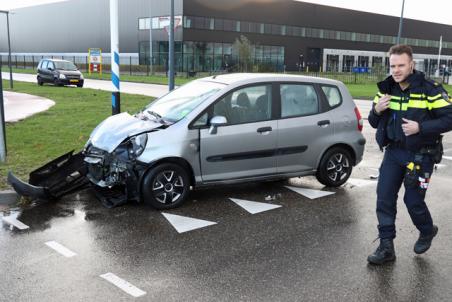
{"x": 414, "y": 175}
{"x": 435, "y": 151}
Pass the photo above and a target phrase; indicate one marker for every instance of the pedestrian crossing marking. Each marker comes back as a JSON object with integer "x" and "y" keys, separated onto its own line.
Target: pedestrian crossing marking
{"x": 310, "y": 193}
{"x": 14, "y": 222}
{"x": 254, "y": 207}
{"x": 184, "y": 224}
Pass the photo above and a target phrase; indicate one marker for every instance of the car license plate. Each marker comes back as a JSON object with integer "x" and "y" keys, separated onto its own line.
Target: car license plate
{"x": 73, "y": 81}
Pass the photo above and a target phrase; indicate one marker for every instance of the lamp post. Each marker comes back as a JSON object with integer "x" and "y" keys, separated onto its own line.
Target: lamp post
{"x": 400, "y": 23}
{"x": 171, "y": 49}
{"x": 9, "y": 49}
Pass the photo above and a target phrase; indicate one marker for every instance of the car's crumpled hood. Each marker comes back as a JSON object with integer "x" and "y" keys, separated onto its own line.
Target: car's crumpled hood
{"x": 115, "y": 129}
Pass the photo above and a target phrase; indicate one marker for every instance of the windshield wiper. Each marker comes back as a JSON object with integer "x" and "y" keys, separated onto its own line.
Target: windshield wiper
{"x": 157, "y": 116}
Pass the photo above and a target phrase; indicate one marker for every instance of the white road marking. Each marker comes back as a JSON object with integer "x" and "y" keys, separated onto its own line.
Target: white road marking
{"x": 14, "y": 222}
{"x": 184, "y": 224}
{"x": 360, "y": 182}
{"x": 309, "y": 193}
{"x": 254, "y": 207}
{"x": 440, "y": 166}
{"x": 60, "y": 249}
{"x": 447, "y": 157}
{"x": 123, "y": 284}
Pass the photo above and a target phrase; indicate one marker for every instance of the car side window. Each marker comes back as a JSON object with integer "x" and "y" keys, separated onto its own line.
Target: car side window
{"x": 246, "y": 105}
{"x": 298, "y": 100}
{"x": 332, "y": 95}
{"x": 201, "y": 121}
{"x": 44, "y": 65}
{"x": 51, "y": 65}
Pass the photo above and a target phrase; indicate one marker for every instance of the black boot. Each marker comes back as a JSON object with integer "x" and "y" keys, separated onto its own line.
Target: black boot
{"x": 384, "y": 253}
{"x": 425, "y": 241}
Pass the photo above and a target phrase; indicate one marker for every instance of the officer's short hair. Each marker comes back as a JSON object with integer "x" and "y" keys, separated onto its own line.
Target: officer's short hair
{"x": 400, "y": 49}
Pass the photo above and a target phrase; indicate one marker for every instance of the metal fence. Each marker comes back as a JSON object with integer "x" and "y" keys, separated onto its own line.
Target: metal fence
{"x": 130, "y": 65}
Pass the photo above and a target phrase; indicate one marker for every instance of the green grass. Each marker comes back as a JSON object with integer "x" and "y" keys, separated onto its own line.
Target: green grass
{"x": 64, "y": 127}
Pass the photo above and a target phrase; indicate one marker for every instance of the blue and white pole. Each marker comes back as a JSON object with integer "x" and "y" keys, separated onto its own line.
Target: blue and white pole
{"x": 114, "y": 57}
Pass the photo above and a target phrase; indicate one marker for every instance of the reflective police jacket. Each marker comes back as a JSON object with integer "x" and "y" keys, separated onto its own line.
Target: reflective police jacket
{"x": 424, "y": 101}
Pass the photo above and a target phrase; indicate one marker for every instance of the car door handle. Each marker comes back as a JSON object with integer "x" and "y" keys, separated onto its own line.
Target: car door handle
{"x": 264, "y": 129}
{"x": 323, "y": 123}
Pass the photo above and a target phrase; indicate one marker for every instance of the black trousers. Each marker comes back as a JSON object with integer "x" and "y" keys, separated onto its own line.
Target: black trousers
{"x": 392, "y": 173}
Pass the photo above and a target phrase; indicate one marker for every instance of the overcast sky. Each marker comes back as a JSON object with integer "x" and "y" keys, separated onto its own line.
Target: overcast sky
{"x": 438, "y": 11}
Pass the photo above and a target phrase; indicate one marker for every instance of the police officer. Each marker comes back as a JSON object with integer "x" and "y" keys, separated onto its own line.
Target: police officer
{"x": 409, "y": 112}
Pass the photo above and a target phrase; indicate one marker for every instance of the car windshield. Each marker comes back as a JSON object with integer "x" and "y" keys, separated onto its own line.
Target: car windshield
{"x": 175, "y": 105}
{"x": 65, "y": 65}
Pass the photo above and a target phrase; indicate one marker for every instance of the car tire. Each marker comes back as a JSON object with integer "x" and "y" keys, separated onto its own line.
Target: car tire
{"x": 80, "y": 85}
{"x": 56, "y": 83}
{"x": 165, "y": 186}
{"x": 335, "y": 167}
{"x": 40, "y": 82}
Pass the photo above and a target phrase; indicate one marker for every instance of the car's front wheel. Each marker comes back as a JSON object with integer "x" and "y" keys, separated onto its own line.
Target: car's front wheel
{"x": 165, "y": 186}
{"x": 335, "y": 167}
{"x": 40, "y": 82}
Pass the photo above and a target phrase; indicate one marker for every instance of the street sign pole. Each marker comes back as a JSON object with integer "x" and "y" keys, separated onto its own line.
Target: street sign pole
{"x": 2, "y": 122}
{"x": 114, "y": 57}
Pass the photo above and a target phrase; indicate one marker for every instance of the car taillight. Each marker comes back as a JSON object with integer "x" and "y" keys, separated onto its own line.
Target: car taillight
{"x": 359, "y": 119}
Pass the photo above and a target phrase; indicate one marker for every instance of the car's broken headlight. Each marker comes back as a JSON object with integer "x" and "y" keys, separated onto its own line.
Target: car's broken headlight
{"x": 137, "y": 144}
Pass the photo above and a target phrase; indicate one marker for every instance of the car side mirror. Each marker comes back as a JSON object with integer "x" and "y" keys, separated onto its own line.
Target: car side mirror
{"x": 215, "y": 122}
{"x": 50, "y": 68}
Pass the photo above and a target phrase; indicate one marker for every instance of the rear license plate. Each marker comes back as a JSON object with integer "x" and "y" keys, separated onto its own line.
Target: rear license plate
{"x": 73, "y": 81}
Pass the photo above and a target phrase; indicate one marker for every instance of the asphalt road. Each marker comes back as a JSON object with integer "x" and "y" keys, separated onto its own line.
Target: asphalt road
{"x": 304, "y": 250}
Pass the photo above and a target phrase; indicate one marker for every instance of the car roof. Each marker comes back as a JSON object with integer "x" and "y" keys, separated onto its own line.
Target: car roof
{"x": 247, "y": 78}
{"x": 55, "y": 60}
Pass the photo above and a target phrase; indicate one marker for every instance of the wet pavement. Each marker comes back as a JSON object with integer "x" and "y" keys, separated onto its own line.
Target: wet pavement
{"x": 304, "y": 250}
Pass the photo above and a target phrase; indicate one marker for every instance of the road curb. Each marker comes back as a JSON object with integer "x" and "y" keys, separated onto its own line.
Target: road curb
{"x": 8, "y": 197}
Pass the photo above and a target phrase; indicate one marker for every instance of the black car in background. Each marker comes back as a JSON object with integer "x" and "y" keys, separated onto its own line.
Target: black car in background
{"x": 59, "y": 72}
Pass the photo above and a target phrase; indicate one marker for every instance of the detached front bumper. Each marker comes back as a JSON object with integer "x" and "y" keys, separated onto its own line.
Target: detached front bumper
{"x": 61, "y": 176}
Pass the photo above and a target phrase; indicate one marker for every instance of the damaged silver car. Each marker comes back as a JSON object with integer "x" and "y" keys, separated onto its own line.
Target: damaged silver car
{"x": 216, "y": 130}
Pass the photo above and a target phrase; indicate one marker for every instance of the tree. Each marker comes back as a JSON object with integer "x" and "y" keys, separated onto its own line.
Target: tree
{"x": 243, "y": 48}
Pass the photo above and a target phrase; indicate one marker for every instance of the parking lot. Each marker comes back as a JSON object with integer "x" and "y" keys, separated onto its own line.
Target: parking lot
{"x": 299, "y": 242}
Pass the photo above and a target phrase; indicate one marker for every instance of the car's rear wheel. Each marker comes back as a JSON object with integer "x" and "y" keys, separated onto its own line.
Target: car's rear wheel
{"x": 165, "y": 186}
{"x": 335, "y": 167}
{"x": 40, "y": 82}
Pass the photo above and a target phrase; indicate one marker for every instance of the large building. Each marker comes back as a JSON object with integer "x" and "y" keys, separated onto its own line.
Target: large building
{"x": 285, "y": 34}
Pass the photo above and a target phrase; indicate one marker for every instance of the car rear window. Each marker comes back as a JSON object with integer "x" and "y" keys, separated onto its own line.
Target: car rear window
{"x": 332, "y": 95}
{"x": 298, "y": 100}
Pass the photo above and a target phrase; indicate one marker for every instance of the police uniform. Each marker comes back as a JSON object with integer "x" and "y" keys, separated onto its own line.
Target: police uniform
{"x": 427, "y": 103}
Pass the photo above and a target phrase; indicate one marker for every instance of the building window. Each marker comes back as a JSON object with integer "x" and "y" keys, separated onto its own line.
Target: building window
{"x": 144, "y": 23}
{"x": 363, "y": 61}
{"x": 347, "y": 63}
{"x": 228, "y": 25}
{"x": 187, "y": 22}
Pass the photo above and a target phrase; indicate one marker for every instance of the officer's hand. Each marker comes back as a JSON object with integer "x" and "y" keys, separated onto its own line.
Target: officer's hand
{"x": 410, "y": 127}
{"x": 383, "y": 104}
